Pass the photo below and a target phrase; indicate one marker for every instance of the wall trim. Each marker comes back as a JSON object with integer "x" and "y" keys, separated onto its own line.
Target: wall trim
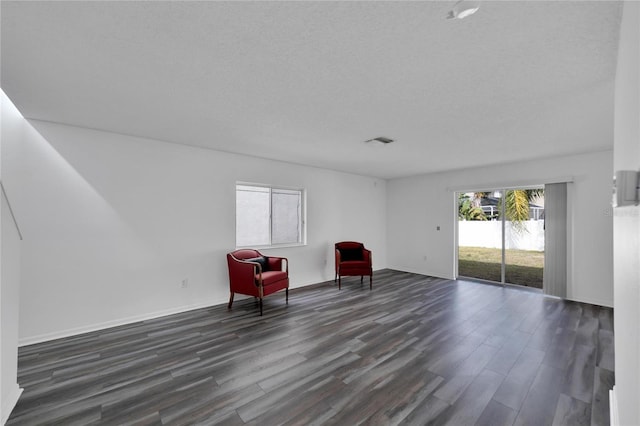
{"x": 613, "y": 407}
{"x": 109, "y": 324}
{"x": 421, "y": 272}
{"x": 9, "y": 403}
{"x": 152, "y": 315}
{"x": 605, "y": 304}
{"x": 129, "y": 320}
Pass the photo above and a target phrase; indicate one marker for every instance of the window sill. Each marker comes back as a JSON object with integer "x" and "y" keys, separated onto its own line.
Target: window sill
{"x": 278, "y": 246}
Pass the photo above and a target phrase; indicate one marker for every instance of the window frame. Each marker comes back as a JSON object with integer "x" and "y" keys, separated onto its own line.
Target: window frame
{"x": 303, "y": 218}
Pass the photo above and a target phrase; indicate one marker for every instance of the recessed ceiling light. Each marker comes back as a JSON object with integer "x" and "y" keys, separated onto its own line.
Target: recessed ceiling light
{"x": 380, "y": 139}
{"x": 464, "y": 8}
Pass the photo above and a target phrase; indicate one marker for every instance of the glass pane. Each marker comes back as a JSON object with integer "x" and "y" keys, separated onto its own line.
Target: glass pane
{"x": 479, "y": 236}
{"x": 252, "y": 215}
{"x": 524, "y": 237}
{"x": 286, "y": 216}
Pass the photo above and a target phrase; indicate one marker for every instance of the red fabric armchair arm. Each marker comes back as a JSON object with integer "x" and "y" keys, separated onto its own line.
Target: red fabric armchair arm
{"x": 278, "y": 263}
{"x": 366, "y": 255}
{"x": 242, "y": 275}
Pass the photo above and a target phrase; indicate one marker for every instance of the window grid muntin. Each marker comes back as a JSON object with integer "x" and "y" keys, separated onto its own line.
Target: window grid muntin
{"x": 271, "y": 189}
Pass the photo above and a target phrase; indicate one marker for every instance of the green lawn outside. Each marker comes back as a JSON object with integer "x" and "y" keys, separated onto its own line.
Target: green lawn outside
{"x": 523, "y": 267}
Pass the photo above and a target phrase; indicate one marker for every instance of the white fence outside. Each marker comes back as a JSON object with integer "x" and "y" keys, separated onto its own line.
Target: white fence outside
{"x": 475, "y": 233}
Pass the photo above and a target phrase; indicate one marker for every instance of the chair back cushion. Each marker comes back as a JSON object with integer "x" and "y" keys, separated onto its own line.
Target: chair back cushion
{"x": 348, "y": 254}
{"x": 350, "y": 250}
{"x": 264, "y": 263}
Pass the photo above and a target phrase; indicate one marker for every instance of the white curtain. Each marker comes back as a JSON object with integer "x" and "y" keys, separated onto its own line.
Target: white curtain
{"x": 555, "y": 240}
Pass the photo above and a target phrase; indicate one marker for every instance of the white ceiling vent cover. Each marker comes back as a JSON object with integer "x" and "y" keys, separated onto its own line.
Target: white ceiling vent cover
{"x": 381, "y": 140}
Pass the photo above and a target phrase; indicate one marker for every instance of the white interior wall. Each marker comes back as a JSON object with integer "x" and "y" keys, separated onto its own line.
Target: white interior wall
{"x": 9, "y": 311}
{"x": 112, "y": 224}
{"x": 416, "y": 206}
{"x": 11, "y": 128}
{"x": 627, "y": 223}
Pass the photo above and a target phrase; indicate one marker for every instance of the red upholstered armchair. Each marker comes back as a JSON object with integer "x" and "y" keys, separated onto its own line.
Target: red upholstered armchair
{"x": 254, "y": 274}
{"x": 353, "y": 259}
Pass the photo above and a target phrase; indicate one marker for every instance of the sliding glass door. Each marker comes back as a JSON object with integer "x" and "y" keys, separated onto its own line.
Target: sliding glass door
{"x": 501, "y": 236}
{"x": 480, "y": 235}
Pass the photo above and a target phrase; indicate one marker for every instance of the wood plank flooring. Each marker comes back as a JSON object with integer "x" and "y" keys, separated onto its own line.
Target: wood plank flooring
{"x": 414, "y": 350}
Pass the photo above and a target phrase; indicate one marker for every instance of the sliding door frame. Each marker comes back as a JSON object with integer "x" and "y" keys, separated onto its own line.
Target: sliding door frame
{"x": 502, "y": 238}
{"x": 502, "y": 189}
{"x": 454, "y": 190}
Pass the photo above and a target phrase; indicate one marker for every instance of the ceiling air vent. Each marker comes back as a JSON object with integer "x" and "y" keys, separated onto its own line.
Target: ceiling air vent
{"x": 380, "y": 139}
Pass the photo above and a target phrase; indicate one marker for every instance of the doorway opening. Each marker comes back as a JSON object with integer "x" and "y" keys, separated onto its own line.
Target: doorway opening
{"x": 501, "y": 236}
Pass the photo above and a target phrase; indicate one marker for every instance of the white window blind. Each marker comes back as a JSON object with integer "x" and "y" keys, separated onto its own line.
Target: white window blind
{"x": 268, "y": 216}
{"x": 554, "y": 281}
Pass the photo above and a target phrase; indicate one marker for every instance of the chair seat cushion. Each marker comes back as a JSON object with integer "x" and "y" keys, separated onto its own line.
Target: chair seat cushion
{"x": 271, "y": 277}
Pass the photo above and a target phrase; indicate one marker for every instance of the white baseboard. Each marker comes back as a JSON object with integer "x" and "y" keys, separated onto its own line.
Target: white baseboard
{"x": 604, "y": 303}
{"x": 108, "y": 324}
{"x": 9, "y": 402}
{"x": 613, "y": 407}
{"x": 412, "y": 270}
{"x": 31, "y": 340}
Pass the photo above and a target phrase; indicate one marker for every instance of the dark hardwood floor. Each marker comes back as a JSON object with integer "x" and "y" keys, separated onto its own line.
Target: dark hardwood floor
{"x": 414, "y": 350}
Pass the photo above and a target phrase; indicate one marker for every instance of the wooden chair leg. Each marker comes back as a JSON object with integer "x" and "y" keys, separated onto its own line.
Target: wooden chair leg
{"x": 287, "y": 295}
{"x": 371, "y": 282}
{"x": 339, "y": 282}
{"x": 361, "y": 279}
{"x": 230, "y": 301}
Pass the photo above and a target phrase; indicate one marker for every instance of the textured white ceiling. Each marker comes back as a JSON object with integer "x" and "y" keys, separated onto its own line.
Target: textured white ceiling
{"x": 308, "y": 82}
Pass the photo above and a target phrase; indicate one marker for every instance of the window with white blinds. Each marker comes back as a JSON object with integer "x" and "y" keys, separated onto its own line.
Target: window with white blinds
{"x": 269, "y": 216}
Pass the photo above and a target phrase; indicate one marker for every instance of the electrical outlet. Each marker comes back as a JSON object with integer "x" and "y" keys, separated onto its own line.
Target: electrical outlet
{"x": 184, "y": 283}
